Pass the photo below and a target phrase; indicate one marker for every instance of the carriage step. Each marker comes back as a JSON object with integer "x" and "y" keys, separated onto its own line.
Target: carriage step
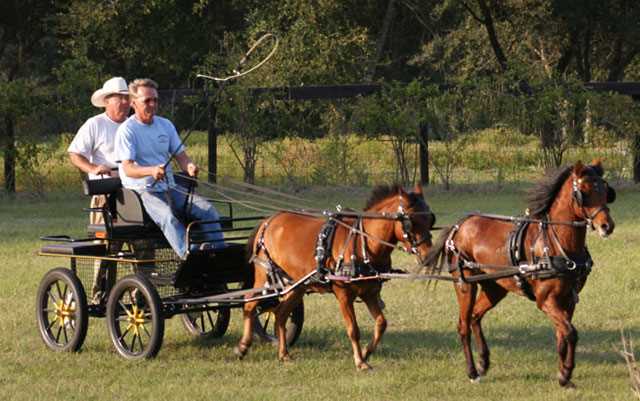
{"x": 159, "y": 279}
{"x": 90, "y": 248}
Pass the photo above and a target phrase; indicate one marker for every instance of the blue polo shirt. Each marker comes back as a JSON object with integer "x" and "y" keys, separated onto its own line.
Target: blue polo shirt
{"x": 147, "y": 145}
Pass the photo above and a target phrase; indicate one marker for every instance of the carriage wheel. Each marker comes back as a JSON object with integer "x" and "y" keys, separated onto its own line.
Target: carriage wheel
{"x": 61, "y": 310}
{"x": 134, "y": 318}
{"x": 265, "y": 328}
{"x": 207, "y": 324}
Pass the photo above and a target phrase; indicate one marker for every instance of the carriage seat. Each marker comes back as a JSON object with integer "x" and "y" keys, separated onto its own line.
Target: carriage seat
{"x": 125, "y": 217}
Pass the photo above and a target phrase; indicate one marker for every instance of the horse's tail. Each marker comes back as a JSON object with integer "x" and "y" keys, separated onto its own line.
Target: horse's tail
{"x": 436, "y": 258}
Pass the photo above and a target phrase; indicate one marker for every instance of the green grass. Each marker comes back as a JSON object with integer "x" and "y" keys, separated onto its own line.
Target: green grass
{"x": 420, "y": 357}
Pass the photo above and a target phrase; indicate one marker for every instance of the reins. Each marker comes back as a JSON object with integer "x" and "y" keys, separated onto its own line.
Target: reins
{"x": 335, "y": 216}
{"x": 517, "y": 219}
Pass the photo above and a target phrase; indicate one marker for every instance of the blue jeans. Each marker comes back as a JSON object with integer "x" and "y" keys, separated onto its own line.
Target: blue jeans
{"x": 163, "y": 207}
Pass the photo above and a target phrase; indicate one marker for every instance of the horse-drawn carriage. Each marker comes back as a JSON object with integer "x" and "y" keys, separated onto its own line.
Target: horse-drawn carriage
{"x": 542, "y": 256}
{"x": 126, "y": 272}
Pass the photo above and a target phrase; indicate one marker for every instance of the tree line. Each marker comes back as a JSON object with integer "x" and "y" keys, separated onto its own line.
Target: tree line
{"x": 520, "y": 63}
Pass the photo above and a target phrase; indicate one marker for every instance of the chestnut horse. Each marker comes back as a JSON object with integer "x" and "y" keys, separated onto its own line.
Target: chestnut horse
{"x": 550, "y": 251}
{"x": 287, "y": 242}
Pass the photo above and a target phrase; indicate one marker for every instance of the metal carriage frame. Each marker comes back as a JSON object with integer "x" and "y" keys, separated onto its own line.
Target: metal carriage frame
{"x": 143, "y": 282}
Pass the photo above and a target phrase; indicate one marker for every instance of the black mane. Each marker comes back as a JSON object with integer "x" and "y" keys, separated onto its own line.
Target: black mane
{"x": 382, "y": 192}
{"x": 542, "y": 195}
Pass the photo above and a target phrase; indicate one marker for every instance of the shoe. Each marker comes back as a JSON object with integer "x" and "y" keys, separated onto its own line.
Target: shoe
{"x": 97, "y": 297}
{"x": 202, "y": 247}
{"x": 207, "y": 246}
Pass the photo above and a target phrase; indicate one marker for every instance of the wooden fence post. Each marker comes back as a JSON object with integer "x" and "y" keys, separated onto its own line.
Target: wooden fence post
{"x": 636, "y": 158}
{"x": 424, "y": 153}
{"x": 212, "y": 144}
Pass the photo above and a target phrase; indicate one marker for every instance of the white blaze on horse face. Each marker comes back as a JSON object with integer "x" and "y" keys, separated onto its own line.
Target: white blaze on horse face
{"x": 602, "y": 232}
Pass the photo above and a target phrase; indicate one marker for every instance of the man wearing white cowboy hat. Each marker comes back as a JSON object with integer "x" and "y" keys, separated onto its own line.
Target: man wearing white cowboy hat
{"x": 92, "y": 151}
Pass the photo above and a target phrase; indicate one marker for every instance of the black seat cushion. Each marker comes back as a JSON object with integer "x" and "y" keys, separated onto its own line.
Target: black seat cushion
{"x": 101, "y": 186}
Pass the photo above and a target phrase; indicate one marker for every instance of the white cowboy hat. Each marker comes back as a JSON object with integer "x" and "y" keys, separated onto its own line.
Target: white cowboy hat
{"x": 116, "y": 85}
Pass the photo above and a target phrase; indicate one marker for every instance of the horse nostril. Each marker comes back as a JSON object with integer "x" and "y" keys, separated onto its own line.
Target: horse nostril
{"x": 605, "y": 227}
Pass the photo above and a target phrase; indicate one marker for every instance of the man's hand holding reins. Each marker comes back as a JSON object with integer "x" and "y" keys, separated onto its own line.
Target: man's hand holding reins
{"x": 157, "y": 172}
{"x": 192, "y": 170}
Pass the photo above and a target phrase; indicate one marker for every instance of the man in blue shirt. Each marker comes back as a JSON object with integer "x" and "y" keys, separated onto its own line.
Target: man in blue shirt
{"x": 144, "y": 144}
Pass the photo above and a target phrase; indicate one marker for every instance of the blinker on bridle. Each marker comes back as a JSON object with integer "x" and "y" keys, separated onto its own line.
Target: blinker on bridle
{"x": 407, "y": 228}
{"x": 578, "y": 197}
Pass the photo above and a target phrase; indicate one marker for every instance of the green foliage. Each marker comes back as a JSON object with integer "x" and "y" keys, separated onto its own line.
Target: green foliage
{"x": 396, "y": 113}
{"x": 250, "y": 121}
{"x": 158, "y": 39}
{"x": 318, "y": 43}
{"x": 53, "y": 54}
{"x": 77, "y": 78}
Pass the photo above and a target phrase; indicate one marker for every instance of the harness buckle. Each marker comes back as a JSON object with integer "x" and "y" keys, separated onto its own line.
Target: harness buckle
{"x": 571, "y": 265}
{"x": 450, "y": 245}
{"x": 523, "y": 269}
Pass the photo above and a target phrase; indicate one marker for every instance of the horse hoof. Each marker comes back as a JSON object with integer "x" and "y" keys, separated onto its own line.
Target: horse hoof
{"x": 567, "y": 384}
{"x": 475, "y": 380}
{"x": 286, "y": 359}
{"x": 364, "y": 367}
{"x": 239, "y": 352}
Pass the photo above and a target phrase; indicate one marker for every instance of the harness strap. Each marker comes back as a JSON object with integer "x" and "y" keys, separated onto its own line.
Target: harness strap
{"x": 540, "y": 268}
{"x": 275, "y": 274}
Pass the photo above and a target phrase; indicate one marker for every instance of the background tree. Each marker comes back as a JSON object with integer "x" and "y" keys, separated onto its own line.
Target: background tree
{"x": 394, "y": 114}
{"x": 27, "y": 53}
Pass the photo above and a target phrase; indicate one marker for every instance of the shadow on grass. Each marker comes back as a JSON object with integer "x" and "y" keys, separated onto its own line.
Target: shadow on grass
{"x": 595, "y": 346}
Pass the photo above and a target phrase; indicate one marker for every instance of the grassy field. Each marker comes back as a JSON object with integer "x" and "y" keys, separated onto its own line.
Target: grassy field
{"x": 420, "y": 357}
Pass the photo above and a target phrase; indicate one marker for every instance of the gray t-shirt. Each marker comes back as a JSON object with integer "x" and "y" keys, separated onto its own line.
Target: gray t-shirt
{"x": 147, "y": 145}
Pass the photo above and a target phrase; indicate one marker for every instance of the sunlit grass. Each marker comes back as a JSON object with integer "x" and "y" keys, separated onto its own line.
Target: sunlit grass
{"x": 420, "y": 357}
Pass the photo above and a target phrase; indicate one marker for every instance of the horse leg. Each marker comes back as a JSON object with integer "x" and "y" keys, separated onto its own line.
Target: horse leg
{"x": 466, "y": 294}
{"x": 345, "y": 300}
{"x": 373, "y": 304}
{"x": 566, "y": 336}
{"x": 489, "y": 297}
{"x": 249, "y": 315}
{"x": 282, "y": 312}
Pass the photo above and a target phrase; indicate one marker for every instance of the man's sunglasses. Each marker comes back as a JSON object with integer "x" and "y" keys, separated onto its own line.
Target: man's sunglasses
{"x": 148, "y": 100}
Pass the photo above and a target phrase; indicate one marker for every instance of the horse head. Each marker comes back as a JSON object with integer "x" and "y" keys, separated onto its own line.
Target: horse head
{"x": 409, "y": 218}
{"x": 415, "y": 220}
{"x": 590, "y": 196}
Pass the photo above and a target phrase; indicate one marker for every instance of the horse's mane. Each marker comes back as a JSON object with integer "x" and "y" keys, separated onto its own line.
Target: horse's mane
{"x": 543, "y": 193}
{"x": 382, "y": 192}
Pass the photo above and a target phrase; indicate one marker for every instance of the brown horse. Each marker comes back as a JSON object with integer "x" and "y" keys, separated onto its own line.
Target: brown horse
{"x": 287, "y": 242}
{"x": 548, "y": 247}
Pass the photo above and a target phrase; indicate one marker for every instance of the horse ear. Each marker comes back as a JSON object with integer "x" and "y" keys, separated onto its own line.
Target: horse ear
{"x": 578, "y": 168}
{"x": 596, "y": 165}
{"x": 418, "y": 189}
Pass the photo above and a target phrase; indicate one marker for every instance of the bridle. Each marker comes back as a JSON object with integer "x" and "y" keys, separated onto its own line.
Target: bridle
{"x": 407, "y": 229}
{"x": 578, "y": 198}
